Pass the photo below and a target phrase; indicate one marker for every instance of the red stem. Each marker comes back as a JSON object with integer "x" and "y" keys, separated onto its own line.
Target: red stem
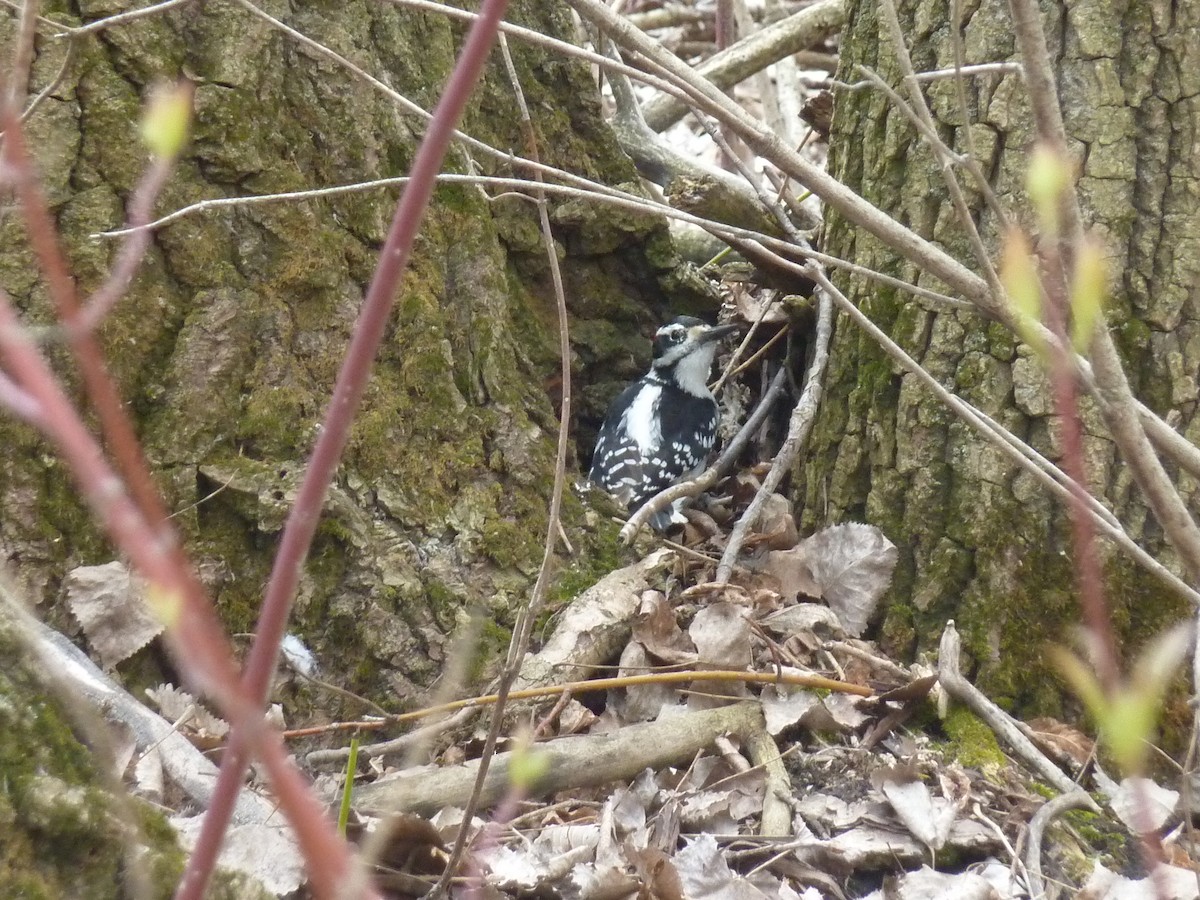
{"x": 1066, "y": 399}
{"x": 118, "y": 431}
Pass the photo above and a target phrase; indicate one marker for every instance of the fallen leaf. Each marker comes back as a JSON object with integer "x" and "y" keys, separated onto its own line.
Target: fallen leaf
{"x": 110, "y": 605}
{"x": 657, "y": 630}
{"x": 914, "y": 805}
{"x": 721, "y": 634}
{"x": 848, "y": 566}
{"x": 1143, "y": 805}
{"x": 1167, "y": 883}
{"x": 180, "y": 706}
{"x": 801, "y": 618}
{"x": 776, "y": 523}
{"x": 1063, "y": 741}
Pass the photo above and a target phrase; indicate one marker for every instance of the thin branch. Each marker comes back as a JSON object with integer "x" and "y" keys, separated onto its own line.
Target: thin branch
{"x": 17, "y": 86}
{"x": 753, "y": 53}
{"x": 52, "y": 86}
{"x": 1047, "y": 813}
{"x": 959, "y": 73}
{"x": 799, "y": 426}
{"x": 735, "y": 359}
{"x": 709, "y": 99}
{"x": 102, "y": 392}
{"x": 996, "y": 68}
{"x": 523, "y": 628}
{"x": 141, "y": 207}
{"x": 668, "y": 16}
{"x": 947, "y": 157}
{"x": 959, "y": 688}
{"x": 121, "y": 18}
{"x": 554, "y": 45}
{"x": 19, "y": 401}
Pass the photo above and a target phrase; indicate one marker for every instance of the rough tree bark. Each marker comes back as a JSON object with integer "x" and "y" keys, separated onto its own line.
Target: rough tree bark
{"x": 228, "y": 343}
{"x": 979, "y": 542}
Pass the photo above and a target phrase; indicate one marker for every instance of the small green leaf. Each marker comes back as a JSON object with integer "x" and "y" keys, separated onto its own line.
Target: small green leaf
{"x": 1160, "y": 659}
{"x": 1089, "y": 288}
{"x": 348, "y": 787}
{"x": 1128, "y": 728}
{"x": 1082, "y": 679}
{"x": 527, "y": 768}
{"x": 1128, "y": 716}
{"x": 166, "y": 605}
{"x": 1019, "y": 276}
{"x": 166, "y": 119}
{"x": 1047, "y": 181}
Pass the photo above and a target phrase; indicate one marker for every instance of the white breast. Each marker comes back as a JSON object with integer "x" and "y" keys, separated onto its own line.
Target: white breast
{"x": 641, "y": 419}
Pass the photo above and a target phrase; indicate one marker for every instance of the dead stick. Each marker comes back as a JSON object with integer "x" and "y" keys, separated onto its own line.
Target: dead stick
{"x": 570, "y": 762}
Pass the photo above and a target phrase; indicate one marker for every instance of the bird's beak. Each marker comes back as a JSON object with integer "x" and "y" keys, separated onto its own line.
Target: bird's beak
{"x": 715, "y": 334}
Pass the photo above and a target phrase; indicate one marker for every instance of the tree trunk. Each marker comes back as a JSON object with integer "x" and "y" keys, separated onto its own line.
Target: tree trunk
{"x": 228, "y": 343}
{"x": 979, "y": 541}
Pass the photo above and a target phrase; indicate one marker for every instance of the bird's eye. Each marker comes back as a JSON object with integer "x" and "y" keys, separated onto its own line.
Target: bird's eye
{"x": 675, "y": 337}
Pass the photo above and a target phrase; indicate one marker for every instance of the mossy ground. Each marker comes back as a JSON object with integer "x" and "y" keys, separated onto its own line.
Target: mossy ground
{"x": 65, "y": 834}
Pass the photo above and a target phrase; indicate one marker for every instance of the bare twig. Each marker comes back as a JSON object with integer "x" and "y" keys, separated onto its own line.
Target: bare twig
{"x": 403, "y": 744}
{"x": 101, "y": 391}
{"x": 141, "y": 208}
{"x": 570, "y": 762}
{"x": 18, "y": 401}
{"x": 1047, "y": 813}
{"x": 754, "y": 53}
{"x": 523, "y": 628}
{"x": 709, "y": 99}
{"x": 17, "y": 86}
{"x": 799, "y": 427}
{"x": 121, "y": 18}
{"x": 959, "y": 73}
{"x": 958, "y": 687}
{"x": 947, "y": 157}
{"x": 596, "y": 685}
{"x": 52, "y": 85}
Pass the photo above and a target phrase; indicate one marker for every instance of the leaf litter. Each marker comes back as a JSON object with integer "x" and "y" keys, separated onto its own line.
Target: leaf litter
{"x": 873, "y": 805}
{"x": 829, "y": 795}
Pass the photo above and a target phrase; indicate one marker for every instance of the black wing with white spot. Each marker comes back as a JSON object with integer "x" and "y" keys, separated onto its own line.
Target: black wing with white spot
{"x": 617, "y": 462}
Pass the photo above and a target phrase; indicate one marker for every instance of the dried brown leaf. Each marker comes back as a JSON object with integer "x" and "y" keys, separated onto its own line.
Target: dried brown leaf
{"x": 776, "y": 523}
{"x": 656, "y": 628}
{"x": 175, "y": 704}
{"x": 848, "y": 566}
{"x": 721, "y": 634}
{"x": 1062, "y": 740}
{"x": 110, "y": 605}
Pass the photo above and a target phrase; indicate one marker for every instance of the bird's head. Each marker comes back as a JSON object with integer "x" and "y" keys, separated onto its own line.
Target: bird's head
{"x": 684, "y": 348}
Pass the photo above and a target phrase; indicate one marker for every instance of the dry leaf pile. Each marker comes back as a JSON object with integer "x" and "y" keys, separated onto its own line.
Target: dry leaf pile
{"x": 714, "y": 785}
{"x": 813, "y": 793}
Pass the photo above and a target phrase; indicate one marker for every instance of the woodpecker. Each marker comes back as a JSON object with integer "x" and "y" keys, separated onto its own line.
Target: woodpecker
{"x": 662, "y": 427}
